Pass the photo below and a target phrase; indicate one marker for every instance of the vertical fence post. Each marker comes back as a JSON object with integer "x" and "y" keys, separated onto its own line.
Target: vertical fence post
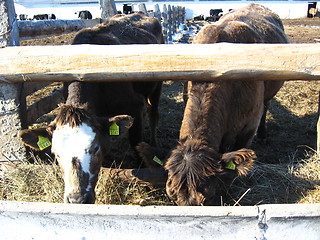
{"x": 12, "y": 103}
{"x": 170, "y": 32}
{"x": 142, "y": 7}
{"x": 157, "y": 12}
{"x": 108, "y": 8}
{"x": 165, "y": 22}
{"x": 318, "y": 129}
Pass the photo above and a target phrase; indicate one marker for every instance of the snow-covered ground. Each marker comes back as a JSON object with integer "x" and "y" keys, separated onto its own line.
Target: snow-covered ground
{"x": 285, "y": 9}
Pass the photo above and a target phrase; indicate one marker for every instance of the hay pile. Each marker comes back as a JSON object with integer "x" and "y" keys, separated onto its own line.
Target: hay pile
{"x": 267, "y": 183}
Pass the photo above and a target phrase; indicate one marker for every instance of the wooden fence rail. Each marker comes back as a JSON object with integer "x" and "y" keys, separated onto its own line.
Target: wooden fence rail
{"x": 223, "y": 61}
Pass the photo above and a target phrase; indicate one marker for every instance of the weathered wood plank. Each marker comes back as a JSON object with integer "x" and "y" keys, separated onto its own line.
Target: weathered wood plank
{"x": 318, "y": 129}
{"x": 223, "y": 61}
{"x": 31, "y": 87}
{"x": 44, "y": 105}
{"x": 32, "y": 29}
{"x": 11, "y": 104}
{"x": 141, "y": 176}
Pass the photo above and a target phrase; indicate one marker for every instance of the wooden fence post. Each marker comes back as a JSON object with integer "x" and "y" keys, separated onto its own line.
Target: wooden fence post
{"x": 108, "y": 8}
{"x": 165, "y": 22}
{"x": 157, "y": 12}
{"x": 170, "y": 31}
{"x": 318, "y": 129}
{"x": 142, "y": 7}
{"x": 12, "y": 104}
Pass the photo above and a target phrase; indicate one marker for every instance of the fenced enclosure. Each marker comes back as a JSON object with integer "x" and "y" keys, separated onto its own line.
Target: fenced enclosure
{"x": 33, "y": 65}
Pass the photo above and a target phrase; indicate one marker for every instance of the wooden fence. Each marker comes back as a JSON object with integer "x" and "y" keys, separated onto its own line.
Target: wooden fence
{"x": 170, "y": 18}
{"x": 22, "y": 67}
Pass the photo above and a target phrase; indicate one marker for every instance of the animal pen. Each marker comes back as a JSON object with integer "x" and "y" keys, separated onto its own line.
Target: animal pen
{"x": 28, "y": 67}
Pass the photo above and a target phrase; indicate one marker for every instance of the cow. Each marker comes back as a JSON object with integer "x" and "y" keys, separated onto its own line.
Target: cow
{"x": 199, "y": 18}
{"x": 41, "y": 17}
{"x": 44, "y": 16}
{"x": 215, "y": 14}
{"x": 313, "y": 12}
{"x": 94, "y": 113}
{"x": 127, "y": 9}
{"x": 221, "y": 118}
{"x": 84, "y": 14}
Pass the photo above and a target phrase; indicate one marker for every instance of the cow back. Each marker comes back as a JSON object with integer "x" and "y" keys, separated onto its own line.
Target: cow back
{"x": 251, "y": 24}
{"x": 135, "y": 28}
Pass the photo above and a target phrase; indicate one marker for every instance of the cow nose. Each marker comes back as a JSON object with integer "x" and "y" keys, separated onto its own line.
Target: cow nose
{"x": 78, "y": 198}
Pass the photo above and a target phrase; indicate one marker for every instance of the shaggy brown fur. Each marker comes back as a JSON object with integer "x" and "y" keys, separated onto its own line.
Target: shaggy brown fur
{"x": 123, "y": 29}
{"x": 222, "y": 116}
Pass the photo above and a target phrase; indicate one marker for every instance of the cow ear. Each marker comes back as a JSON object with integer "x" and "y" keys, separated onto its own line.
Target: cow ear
{"x": 240, "y": 161}
{"x": 37, "y": 139}
{"x": 151, "y": 156}
{"x": 119, "y": 125}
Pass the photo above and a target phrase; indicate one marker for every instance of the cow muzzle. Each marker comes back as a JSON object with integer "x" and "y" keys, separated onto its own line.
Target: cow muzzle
{"x": 86, "y": 197}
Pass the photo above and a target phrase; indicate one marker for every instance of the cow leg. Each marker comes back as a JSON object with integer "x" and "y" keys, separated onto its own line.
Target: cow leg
{"x": 154, "y": 113}
{"x": 262, "y": 130}
{"x": 244, "y": 139}
{"x": 136, "y": 131}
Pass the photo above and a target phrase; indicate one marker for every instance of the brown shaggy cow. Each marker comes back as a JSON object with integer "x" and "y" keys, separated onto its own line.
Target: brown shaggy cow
{"x": 95, "y": 112}
{"x": 222, "y": 116}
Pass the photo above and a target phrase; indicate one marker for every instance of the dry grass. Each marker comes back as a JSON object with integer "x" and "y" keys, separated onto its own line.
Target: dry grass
{"x": 41, "y": 182}
{"x": 287, "y": 170}
{"x": 24, "y": 181}
{"x": 280, "y": 183}
{"x": 267, "y": 183}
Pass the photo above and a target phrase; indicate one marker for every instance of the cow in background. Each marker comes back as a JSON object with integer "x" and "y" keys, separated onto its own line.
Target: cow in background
{"x": 215, "y": 15}
{"x": 84, "y": 14}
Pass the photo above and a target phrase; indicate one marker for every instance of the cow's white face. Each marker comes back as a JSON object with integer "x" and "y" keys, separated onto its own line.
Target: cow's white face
{"x": 80, "y": 143}
{"x": 79, "y": 154}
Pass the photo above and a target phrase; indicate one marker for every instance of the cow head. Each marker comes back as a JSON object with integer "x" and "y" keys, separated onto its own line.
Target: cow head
{"x": 79, "y": 141}
{"x": 196, "y": 172}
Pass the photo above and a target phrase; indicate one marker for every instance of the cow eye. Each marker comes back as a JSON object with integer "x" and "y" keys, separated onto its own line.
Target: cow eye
{"x": 96, "y": 148}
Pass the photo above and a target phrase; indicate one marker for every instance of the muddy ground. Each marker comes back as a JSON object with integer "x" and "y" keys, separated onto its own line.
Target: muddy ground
{"x": 291, "y": 120}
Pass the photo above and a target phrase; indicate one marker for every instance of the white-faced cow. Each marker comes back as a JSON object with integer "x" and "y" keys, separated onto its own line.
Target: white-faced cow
{"x": 221, "y": 118}
{"x": 95, "y": 112}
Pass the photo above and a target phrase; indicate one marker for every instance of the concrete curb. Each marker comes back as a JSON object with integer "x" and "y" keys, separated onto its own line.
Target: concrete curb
{"x": 22, "y": 220}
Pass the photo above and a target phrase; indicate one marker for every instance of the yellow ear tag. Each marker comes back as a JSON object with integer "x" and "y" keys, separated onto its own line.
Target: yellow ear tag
{"x": 114, "y": 130}
{"x": 230, "y": 165}
{"x": 43, "y": 142}
{"x": 157, "y": 160}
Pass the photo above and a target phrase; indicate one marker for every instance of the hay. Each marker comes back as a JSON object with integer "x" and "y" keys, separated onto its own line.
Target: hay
{"x": 279, "y": 183}
{"x": 32, "y": 182}
{"x": 267, "y": 183}
{"x": 43, "y": 182}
